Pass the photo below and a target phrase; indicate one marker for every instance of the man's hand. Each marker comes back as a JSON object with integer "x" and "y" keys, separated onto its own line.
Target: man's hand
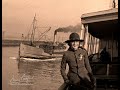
{"x": 92, "y": 78}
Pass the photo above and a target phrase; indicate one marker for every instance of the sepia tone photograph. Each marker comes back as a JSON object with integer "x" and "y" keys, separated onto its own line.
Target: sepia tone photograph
{"x": 60, "y": 45}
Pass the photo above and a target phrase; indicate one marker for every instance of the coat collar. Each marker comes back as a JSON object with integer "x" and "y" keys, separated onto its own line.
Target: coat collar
{"x": 70, "y": 49}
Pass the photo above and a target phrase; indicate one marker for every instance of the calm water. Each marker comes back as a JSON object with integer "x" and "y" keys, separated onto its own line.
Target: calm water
{"x": 27, "y": 74}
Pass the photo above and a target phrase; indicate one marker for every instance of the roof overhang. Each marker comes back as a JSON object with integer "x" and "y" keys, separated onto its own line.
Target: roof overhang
{"x": 101, "y": 23}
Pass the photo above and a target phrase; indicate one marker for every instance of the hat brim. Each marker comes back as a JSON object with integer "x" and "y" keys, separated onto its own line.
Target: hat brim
{"x": 67, "y": 41}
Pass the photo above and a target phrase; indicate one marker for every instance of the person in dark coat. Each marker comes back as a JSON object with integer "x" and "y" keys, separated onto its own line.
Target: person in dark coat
{"x": 79, "y": 76}
{"x": 105, "y": 56}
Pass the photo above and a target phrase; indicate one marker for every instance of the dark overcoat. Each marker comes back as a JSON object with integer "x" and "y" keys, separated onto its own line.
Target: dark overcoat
{"x": 79, "y": 67}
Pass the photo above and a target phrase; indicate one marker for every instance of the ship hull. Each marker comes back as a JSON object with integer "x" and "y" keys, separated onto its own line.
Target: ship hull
{"x": 28, "y": 51}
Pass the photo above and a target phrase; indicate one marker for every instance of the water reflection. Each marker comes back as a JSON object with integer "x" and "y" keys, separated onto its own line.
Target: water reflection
{"x": 46, "y": 75}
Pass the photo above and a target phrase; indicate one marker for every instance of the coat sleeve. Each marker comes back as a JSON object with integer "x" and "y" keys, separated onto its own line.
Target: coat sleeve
{"x": 63, "y": 67}
{"x": 87, "y": 64}
{"x": 88, "y": 67}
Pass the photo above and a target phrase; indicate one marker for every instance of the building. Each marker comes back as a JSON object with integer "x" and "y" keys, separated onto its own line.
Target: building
{"x": 100, "y": 30}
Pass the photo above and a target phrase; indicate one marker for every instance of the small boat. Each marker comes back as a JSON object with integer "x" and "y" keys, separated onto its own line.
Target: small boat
{"x": 32, "y": 50}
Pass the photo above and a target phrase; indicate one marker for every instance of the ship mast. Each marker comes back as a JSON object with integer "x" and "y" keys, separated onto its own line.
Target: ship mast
{"x": 33, "y": 29}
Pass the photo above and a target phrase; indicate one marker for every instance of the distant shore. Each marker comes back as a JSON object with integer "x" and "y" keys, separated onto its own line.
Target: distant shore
{"x": 7, "y": 43}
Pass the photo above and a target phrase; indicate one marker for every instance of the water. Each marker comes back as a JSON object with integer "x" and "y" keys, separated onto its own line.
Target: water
{"x": 29, "y": 74}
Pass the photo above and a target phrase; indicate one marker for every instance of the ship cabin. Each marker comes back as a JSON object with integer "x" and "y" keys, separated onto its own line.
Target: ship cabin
{"x": 102, "y": 41}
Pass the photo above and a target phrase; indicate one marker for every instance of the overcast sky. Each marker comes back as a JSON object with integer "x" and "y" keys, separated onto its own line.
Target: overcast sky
{"x": 17, "y": 15}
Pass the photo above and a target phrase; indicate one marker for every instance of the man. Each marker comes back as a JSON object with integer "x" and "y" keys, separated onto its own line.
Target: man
{"x": 80, "y": 75}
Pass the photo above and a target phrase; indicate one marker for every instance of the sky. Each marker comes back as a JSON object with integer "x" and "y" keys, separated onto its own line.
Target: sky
{"x": 17, "y": 15}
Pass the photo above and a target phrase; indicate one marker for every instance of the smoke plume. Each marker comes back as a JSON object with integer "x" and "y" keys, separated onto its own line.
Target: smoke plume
{"x": 76, "y": 28}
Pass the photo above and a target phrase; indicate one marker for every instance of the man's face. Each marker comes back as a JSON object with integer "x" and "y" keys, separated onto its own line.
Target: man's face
{"x": 75, "y": 45}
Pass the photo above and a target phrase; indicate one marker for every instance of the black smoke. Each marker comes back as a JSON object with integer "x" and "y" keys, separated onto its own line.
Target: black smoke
{"x": 76, "y": 28}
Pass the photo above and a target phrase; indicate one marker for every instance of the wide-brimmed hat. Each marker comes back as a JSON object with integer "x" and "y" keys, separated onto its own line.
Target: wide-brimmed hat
{"x": 74, "y": 37}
